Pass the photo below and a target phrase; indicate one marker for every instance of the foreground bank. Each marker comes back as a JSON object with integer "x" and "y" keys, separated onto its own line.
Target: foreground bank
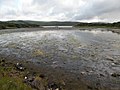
{"x": 17, "y": 75}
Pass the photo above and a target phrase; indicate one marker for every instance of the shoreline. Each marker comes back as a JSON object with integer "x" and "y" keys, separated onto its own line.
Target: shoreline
{"x": 86, "y": 78}
{"x": 45, "y": 78}
{"x": 114, "y": 30}
{"x": 61, "y": 79}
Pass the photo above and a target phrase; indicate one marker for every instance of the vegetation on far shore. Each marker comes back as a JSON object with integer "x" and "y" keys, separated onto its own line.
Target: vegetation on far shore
{"x": 29, "y": 24}
{"x": 13, "y": 25}
{"x": 99, "y": 25}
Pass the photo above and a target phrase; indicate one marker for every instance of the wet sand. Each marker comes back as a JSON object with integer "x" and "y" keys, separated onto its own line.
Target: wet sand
{"x": 78, "y": 59}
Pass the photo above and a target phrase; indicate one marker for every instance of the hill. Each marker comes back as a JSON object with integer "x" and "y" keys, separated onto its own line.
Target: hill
{"x": 30, "y": 24}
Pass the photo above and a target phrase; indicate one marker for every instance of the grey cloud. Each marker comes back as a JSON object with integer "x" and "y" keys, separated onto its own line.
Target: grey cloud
{"x": 60, "y": 9}
{"x": 97, "y": 8}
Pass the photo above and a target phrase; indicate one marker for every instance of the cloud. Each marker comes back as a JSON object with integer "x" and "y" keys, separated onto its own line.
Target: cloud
{"x": 80, "y": 10}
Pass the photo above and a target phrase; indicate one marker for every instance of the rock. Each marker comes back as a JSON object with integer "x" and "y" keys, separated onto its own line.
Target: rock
{"x": 63, "y": 83}
{"x": 2, "y": 60}
{"x": 29, "y": 79}
{"x": 92, "y": 55}
{"x": 38, "y": 84}
{"x": 115, "y": 75}
{"x": 42, "y": 76}
{"x": 89, "y": 88}
{"x": 2, "y": 74}
{"x": 102, "y": 75}
{"x": 19, "y": 67}
{"x": 26, "y": 78}
{"x": 35, "y": 82}
{"x": 112, "y": 64}
{"x": 3, "y": 64}
{"x": 109, "y": 58}
{"x": 33, "y": 73}
{"x": 90, "y": 71}
{"x": 53, "y": 86}
{"x": 83, "y": 73}
{"x": 116, "y": 63}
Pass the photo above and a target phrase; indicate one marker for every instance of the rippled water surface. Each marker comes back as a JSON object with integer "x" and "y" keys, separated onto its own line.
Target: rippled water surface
{"x": 69, "y": 49}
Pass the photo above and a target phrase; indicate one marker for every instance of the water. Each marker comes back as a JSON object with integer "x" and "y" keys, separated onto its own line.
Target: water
{"x": 73, "y": 50}
{"x": 57, "y": 26}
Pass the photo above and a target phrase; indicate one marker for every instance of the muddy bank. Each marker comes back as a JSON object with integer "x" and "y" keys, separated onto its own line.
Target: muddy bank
{"x": 73, "y": 59}
{"x": 43, "y": 78}
{"x": 38, "y": 78}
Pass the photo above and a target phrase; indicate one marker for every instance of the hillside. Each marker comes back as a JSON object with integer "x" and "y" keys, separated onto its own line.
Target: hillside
{"x": 104, "y": 25}
{"x": 30, "y": 24}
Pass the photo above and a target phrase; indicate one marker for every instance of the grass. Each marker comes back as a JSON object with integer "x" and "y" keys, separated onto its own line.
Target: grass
{"x": 11, "y": 79}
{"x": 11, "y": 83}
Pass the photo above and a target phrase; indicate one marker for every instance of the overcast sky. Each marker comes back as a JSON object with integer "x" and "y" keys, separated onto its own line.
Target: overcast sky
{"x": 61, "y": 10}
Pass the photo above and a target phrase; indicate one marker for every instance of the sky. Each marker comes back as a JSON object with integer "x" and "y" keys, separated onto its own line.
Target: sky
{"x": 61, "y": 10}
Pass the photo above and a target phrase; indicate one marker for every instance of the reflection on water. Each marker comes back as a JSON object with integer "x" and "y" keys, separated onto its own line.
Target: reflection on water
{"x": 57, "y": 26}
{"x": 62, "y": 45}
{"x": 94, "y": 54}
{"x": 64, "y": 39}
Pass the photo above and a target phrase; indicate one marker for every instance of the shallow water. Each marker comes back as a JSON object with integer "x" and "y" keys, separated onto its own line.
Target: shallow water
{"x": 71, "y": 50}
{"x": 94, "y": 54}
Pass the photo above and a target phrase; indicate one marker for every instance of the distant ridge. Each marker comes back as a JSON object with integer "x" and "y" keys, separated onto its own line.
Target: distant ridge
{"x": 29, "y": 24}
{"x": 45, "y": 23}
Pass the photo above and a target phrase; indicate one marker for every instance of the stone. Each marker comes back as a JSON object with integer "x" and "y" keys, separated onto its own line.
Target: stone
{"x": 109, "y": 58}
{"x": 2, "y": 60}
{"x": 83, "y": 73}
{"x": 38, "y": 84}
{"x": 42, "y": 76}
{"x": 115, "y": 75}
{"x": 53, "y": 86}
{"x": 19, "y": 67}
